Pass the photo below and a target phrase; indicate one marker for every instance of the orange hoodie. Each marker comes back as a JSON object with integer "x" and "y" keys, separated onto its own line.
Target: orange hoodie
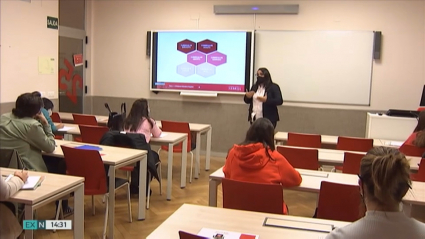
{"x": 250, "y": 163}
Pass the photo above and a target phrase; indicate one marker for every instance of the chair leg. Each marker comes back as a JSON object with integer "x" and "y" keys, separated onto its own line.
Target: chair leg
{"x": 160, "y": 178}
{"x": 191, "y": 167}
{"x": 58, "y": 211}
{"x": 105, "y": 224}
{"x": 129, "y": 176}
{"x": 93, "y": 208}
{"x": 148, "y": 198}
{"x": 130, "y": 216}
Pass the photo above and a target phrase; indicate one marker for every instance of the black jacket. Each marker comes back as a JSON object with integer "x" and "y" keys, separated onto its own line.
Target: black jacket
{"x": 274, "y": 98}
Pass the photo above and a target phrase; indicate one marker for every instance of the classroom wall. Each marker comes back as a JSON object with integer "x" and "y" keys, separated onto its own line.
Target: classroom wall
{"x": 120, "y": 69}
{"x": 25, "y": 37}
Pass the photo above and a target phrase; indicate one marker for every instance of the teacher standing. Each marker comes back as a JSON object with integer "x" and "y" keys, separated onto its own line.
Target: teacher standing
{"x": 263, "y": 98}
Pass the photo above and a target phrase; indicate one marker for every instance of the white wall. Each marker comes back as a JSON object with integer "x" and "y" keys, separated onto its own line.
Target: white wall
{"x": 121, "y": 69}
{"x": 25, "y": 37}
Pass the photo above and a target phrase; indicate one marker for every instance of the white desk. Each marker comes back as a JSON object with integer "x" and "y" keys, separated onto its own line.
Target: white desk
{"x": 336, "y": 157}
{"x": 311, "y": 181}
{"x": 200, "y": 129}
{"x": 389, "y": 127}
{"x": 54, "y": 187}
{"x": 328, "y": 141}
{"x": 192, "y": 218}
{"x": 172, "y": 139}
{"x": 168, "y": 138}
{"x": 116, "y": 158}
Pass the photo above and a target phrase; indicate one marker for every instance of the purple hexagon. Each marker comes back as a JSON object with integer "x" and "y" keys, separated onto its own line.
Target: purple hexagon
{"x": 186, "y": 46}
{"x": 196, "y": 58}
{"x": 216, "y": 58}
{"x": 186, "y": 69}
{"x": 205, "y": 70}
{"x": 207, "y": 46}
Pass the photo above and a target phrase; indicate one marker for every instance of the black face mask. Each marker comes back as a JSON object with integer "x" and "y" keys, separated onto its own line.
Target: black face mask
{"x": 261, "y": 80}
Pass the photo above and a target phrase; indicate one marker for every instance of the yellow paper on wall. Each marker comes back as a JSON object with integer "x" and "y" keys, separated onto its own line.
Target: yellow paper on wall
{"x": 46, "y": 65}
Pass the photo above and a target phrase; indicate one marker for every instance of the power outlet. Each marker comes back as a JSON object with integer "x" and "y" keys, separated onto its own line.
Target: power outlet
{"x": 42, "y": 93}
{"x": 50, "y": 94}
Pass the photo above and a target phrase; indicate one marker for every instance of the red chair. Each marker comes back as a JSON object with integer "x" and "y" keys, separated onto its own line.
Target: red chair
{"x": 81, "y": 119}
{"x": 300, "y": 158}
{"x": 351, "y": 163}
{"x": 420, "y": 175}
{"x": 421, "y": 109}
{"x": 257, "y": 197}
{"x": 411, "y": 150}
{"x": 94, "y": 177}
{"x": 179, "y": 127}
{"x": 354, "y": 144}
{"x": 339, "y": 202}
{"x": 55, "y": 117}
{"x": 304, "y": 140}
{"x": 186, "y": 235}
{"x": 92, "y": 134}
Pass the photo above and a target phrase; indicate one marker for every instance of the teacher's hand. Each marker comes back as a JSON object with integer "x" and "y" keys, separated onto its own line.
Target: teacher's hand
{"x": 250, "y": 94}
{"x": 262, "y": 98}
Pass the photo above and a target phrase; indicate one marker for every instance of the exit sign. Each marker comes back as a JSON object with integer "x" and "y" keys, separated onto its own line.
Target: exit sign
{"x": 52, "y": 22}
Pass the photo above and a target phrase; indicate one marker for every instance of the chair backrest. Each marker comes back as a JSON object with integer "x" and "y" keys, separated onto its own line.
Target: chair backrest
{"x": 92, "y": 134}
{"x": 81, "y": 119}
{"x": 177, "y": 127}
{"x": 87, "y": 164}
{"x": 352, "y": 163}
{"x": 9, "y": 158}
{"x": 186, "y": 235}
{"x": 354, "y": 144}
{"x": 55, "y": 117}
{"x": 420, "y": 175}
{"x": 300, "y": 158}
{"x": 339, "y": 202}
{"x": 411, "y": 150}
{"x": 420, "y": 109}
{"x": 257, "y": 197}
{"x": 304, "y": 140}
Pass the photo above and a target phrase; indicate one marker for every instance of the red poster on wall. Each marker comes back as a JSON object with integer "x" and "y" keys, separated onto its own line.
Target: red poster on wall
{"x": 78, "y": 59}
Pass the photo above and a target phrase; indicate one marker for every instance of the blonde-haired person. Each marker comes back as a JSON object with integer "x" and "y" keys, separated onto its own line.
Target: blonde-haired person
{"x": 384, "y": 180}
{"x": 9, "y": 225}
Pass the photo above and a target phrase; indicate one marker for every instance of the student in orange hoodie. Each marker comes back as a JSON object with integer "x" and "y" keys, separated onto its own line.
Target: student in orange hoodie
{"x": 256, "y": 160}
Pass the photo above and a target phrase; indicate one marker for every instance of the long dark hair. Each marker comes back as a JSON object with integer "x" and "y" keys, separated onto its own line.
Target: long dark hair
{"x": 261, "y": 131}
{"x": 139, "y": 110}
{"x": 267, "y": 77}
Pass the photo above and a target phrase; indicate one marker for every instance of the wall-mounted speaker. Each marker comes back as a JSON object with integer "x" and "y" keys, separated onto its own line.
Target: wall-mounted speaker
{"x": 257, "y": 9}
{"x": 377, "y": 45}
{"x": 148, "y": 43}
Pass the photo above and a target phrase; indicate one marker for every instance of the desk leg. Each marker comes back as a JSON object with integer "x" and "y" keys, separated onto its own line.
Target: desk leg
{"x": 208, "y": 156}
{"x": 142, "y": 187}
{"x": 29, "y": 215}
{"x": 111, "y": 202}
{"x": 184, "y": 165}
{"x": 198, "y": 154}
{"x": 170, "y": 171}
{"x": 79, "y": 212}
{"x": 212, "y": 197}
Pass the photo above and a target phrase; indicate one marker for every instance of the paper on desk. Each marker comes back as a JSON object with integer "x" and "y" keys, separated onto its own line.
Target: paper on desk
{"x": 162, "y": 135}
{"x": 209, "y": 233}
{"x": 299, "y": 224}
{"x": 66, "y": 128}
{"x": 396, "y": 143}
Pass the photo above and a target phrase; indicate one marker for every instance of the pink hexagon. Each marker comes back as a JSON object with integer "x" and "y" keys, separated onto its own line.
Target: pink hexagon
{"x": 196, "y": 58}
{"x": 207, "y": 46}
{"x": 186, "y": 46}
{"x": 216, "y": 58}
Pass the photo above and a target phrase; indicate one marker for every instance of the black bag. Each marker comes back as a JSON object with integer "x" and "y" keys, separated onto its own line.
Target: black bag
{"x": 115, "y": 119}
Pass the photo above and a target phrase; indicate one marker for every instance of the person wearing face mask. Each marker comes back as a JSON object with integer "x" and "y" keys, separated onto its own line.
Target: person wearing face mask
{"x": 47, "y": 112}
{"x": 263, "y": 98}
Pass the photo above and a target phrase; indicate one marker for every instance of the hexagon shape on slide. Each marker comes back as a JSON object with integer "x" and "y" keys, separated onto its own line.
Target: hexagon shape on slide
{"x": 216, "y": 58}
{"x": 207, "y": 46}
{"x": 186, "y": 69}
{"x": 196, "y": 58}
{"x": 205, "y": 70}
{"x": 186, "y": 46}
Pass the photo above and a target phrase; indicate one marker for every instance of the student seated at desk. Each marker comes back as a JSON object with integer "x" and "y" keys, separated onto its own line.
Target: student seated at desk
{"x": 48, "y": 105}
{"x": 417, "y": 138}
{"x": 384, "y": 179}
{"x": 256, "y": 160}
{"x": 9, "y": 225}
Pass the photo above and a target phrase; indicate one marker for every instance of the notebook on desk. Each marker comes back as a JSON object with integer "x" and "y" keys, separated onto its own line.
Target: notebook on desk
{"x": 32, "y": 182}
{"x": 215, "y": 234}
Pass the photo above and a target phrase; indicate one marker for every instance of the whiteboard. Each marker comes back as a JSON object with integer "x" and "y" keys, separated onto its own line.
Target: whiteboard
{"x": 332, "y": 67}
